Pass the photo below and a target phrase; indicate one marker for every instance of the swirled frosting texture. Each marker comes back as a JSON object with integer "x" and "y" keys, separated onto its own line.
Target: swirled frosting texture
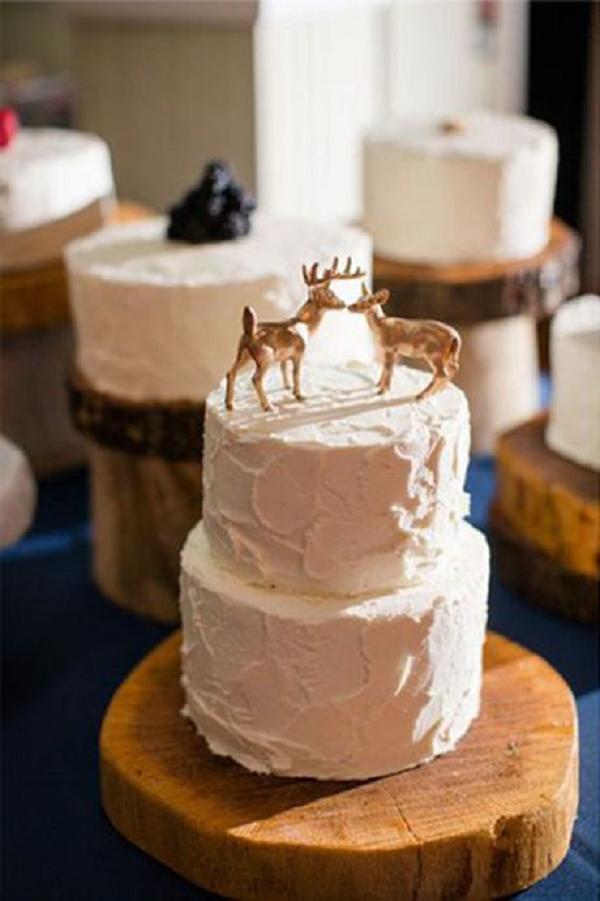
{"x": 338, "y": 690}
{"x": 346, "y": 493}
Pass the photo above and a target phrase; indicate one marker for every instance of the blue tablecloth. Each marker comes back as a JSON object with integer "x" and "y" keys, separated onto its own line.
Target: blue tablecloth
{"x": 65, "y": 652}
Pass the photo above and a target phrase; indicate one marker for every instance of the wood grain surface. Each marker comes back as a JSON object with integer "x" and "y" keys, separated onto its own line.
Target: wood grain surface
{"x": 548, "y": 500}
{"x": 477, "y": 292}
{"x": 486, "y": 820}
{"x": 142, "y": 511}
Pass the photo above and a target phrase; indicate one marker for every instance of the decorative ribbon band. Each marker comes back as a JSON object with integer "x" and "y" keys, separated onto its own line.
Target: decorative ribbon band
{"x": 171, "y": 430}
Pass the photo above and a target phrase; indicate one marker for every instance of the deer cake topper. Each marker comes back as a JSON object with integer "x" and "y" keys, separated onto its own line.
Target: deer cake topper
{"x": 434, "y": 342}
{"x": 266, "y": 343}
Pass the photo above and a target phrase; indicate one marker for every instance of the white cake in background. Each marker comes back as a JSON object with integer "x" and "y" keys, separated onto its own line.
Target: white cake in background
{"x": 333, "y": 688}
{"x": 160, "y": 320}
{"x": 346, "y": 493}
{"x": 304, "y": 652}
{"x": 441, "y": 195}
{"x": 53, "y": 183}
{"x": 574, "y": 426}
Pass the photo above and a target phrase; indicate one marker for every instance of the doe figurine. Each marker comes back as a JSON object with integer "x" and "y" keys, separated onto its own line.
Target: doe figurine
{"x": 418, "y": 339}
{"x": 266, "y": 343}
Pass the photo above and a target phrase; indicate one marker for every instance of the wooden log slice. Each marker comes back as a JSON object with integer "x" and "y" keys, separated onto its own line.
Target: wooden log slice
{"x": 172, "y": 431}
{"x": 484, "y": 821}
{"x": 142, "y": 511}
{"x": 477, "y": 292}
{"x": 547, "y": 500}
{"x": 538, "y": 577}
{"x": 37, "y": 297}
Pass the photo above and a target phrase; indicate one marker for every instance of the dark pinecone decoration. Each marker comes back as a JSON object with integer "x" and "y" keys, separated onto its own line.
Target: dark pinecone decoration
{"x": 216, "y": 209}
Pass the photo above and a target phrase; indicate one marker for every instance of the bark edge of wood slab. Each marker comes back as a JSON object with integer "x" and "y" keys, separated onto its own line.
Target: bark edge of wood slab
{"x": 170, "y": 430}
{"x": 476, "y": 292}
{"x": 484, "y": 821}
{"x": 539, "y": 578}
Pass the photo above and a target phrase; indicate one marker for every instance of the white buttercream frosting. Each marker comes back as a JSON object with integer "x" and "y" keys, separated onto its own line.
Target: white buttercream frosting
{"x": 348, "y": 492}
{"x": 48, "y": 174}
{"x": 333, "y": 689}
{"x": 482, "y": 192}
{"x": 160, "y": 320}
{"x": 574, "y": 426}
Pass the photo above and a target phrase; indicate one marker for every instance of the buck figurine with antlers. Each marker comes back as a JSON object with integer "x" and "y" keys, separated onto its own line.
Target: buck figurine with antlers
{"x": 281, "y": 342}
{"x": 421, "y": 339}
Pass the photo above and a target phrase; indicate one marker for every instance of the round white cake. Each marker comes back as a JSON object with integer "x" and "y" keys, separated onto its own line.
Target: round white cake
{"x": 160, "y": 320}
{"x": 296, "y": 659}
{"x": 345, "y": 493}
{"x": 333, "y": 688}
{"x": 52, "y": 186}
{"x": 478, "y": 188}
{"x": 574, "y": 426}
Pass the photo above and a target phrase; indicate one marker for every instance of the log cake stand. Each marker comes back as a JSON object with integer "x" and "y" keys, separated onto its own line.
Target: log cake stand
{"x": 545, "y": 522}
{"x": 486, "y": 820}
{"x": 495, "y": 306}
{"x": 146, "y": 480}
{"x": 37, "y": 346}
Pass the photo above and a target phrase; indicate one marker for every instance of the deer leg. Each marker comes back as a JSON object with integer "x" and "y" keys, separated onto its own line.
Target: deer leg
{"x": 257, "y": 381}
{"x": 285, "y": 375}
{"x": 296, "y": 368}
{"x": 385, "y": 380}
{"x": 437, "y": 382}
{"x": 242, "y": 357}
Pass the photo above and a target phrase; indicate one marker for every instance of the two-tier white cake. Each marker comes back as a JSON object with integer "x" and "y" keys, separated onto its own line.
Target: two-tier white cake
{"x": 333, "y": 599}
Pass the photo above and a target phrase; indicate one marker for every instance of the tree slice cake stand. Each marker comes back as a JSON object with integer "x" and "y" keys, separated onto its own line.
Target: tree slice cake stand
{"x": 496, "y": 307}
{"x": 486, "y": 820}
{"x": 37, "y": 349}
{"x": 545, "y": 524}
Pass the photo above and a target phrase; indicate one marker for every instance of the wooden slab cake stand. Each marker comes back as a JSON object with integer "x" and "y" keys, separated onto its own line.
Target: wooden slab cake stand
{"x": 486, "y": 820}
{"x": 37, "y": 348}
{"x": 495, "y": 306}
{"x": 545, "y": 524}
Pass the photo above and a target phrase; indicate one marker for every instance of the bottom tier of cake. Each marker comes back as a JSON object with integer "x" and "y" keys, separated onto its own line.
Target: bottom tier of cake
{"x": 333, "y": 688}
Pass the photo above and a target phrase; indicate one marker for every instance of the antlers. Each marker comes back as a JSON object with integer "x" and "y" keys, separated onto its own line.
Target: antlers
{"x": 312, "y": 279}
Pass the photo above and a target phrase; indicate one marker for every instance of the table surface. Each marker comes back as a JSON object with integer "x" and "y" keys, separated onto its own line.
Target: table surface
{"x": 65, "y": 652}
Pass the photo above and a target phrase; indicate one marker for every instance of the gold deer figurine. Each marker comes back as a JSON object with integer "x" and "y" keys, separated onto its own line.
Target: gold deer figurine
{"x": 418, "y": 339}
{"x": 279, "y": 342}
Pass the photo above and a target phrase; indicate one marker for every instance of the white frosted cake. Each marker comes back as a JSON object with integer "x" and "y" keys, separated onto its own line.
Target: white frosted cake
{"x": 333, "y": 599}
{"x": 157, "y": 319}
{"x": 477, "y": 188}
{"x": 574, "y": 425}
{"x": 53, "y": 185}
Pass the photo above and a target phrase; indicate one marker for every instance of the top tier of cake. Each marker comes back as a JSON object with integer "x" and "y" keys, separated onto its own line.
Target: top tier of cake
{"x": 160, "y": 320}
{"x": 478, "y": 188}
{"x": 346, "y": 493}
{"x": 574, "y": 427}
{"x": 47, "y": 177}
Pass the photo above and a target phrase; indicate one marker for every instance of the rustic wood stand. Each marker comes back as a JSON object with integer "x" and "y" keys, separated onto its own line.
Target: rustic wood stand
{"x": 143, "y": 509}
{"x": 37, "y": 349}
{"x": 495, "y": 306}
{"x": 489, "y": 819}
{"x": 545, "y": 524}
